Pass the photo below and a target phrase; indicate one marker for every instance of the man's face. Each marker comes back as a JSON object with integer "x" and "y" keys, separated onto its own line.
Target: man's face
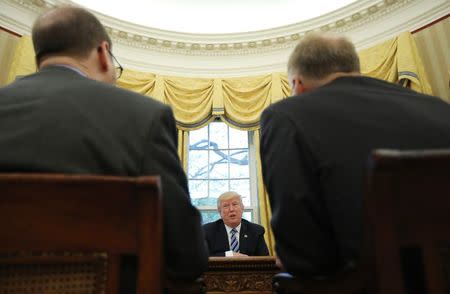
{"x": 231, "y": 211}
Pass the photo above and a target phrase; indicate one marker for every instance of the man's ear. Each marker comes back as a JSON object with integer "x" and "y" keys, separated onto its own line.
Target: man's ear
{"x": 297, "y": 85}
{"x": 103, "y": 56}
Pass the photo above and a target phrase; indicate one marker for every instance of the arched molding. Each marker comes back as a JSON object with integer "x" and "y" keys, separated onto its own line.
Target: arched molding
{"x": 366, "y": 22}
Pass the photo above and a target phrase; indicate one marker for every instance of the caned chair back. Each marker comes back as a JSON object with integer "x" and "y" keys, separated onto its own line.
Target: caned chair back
{"x": 66, "y": 233}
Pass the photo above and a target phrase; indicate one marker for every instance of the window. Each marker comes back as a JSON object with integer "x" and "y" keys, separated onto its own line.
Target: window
{"x": 221, "y": 159}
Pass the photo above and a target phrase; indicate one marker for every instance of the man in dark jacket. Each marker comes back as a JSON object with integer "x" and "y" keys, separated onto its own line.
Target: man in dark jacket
{"x": 315, "y": 147}
{"x": 231, "y": 235}
{"x": 69, "y": 118}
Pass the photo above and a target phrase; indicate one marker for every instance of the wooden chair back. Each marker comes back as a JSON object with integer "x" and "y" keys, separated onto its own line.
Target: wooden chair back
{"x": 407, "y": 230}
{"x": 408, "y": 211}
{"x": 56, "y": 221}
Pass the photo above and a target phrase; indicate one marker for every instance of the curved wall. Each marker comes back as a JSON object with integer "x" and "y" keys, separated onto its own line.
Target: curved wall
{"x": 366, "y": 22}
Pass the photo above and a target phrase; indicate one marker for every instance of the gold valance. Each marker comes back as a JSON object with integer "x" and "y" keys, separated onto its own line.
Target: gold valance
{"x": 240, "y": 101}
{"x": 395, "y": 60}
{"x": 195, "y": 101}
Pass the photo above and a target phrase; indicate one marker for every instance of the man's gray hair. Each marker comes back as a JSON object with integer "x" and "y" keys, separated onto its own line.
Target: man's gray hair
{"x": 318, "y": 55}
{"x": 228, "y": 195}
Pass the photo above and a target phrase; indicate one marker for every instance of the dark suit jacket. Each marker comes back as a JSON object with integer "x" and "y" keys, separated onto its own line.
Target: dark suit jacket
{"x": 251, "y": 239}
{"x": 59, "y": 121}
{"x": 314, "y": 150}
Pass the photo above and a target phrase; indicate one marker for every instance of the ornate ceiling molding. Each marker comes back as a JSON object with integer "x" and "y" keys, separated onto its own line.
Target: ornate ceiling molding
{"x": 366, "y": 22}
{"x": 341, "y": 20}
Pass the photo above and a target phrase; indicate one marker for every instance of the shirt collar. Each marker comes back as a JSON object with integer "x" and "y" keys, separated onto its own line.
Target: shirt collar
{"x": 238, "y": 228}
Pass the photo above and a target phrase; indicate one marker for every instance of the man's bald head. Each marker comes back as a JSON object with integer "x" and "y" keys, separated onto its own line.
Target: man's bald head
{"x": 320, "y": 55}
{"x": 69, "y": 31}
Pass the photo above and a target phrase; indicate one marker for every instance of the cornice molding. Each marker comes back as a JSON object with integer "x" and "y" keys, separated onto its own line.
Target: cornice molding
{"x": 249, "y": 43}
{"x": 366, "y": 22}
{"x": 342, "y": 20}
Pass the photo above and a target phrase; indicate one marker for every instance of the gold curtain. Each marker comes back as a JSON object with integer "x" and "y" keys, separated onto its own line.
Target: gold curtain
{"x": 183, "y": 141}
{"x": 191, "y": 99}
{"x": 434, "y": 46}
{"x": 23, "y": 62}
{"x": 8, "y": 44}
{"x": 264, "y": 205}
{"x": 244, "y": 100}
{"x": 239, "y": 102}
{"x": 141, "y": 82}
{"x": 396, "y": 60}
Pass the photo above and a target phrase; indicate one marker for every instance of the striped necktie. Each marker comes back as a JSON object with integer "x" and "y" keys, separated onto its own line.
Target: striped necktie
{"x": 234, "y": 241}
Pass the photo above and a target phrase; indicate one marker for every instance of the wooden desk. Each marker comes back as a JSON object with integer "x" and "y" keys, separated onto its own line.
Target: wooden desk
{"x": 247, "y": 275}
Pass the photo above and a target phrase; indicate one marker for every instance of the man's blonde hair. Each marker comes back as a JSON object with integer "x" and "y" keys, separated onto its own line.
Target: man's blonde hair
{"x": 227, "y": 196}
{"x": 318, "y": 55}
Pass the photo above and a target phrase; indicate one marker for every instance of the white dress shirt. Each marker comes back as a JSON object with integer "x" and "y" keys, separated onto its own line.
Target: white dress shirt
{"x": 228, "y": 229}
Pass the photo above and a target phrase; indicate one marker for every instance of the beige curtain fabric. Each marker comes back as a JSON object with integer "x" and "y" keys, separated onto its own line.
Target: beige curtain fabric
{"x": 183, "y": 144}
{"x": 264, "y": 205}
{"x": 433, "y": 44}
{"x": 245, "y": 99}
{"x": 239, "y": 102}
{"x": 379, "y": 61}
{"x": 140, "y": 82}
{"x": 23, "y": 62}
{"x": 8, "y": 46}
{"x": 395, "y": 60}
{"x": 409, "y": 64}
{"x": 191, "y": 99}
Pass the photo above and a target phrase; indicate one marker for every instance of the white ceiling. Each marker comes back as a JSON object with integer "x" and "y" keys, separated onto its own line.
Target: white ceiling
{"x": 149, "y": 49}
{"x": 214, "y": 16}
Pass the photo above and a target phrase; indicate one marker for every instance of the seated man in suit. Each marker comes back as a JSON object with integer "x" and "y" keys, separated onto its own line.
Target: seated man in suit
{"x": 231, "y": 235}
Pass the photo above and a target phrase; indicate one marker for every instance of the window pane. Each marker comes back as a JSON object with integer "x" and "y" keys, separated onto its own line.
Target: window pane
{"x": 218, "y": 164}
{"x": 248, "y": 215}
{"x": 242, "y": 187}
{"x": 209, "y": 216}
{"x": 198, "y": 139}
{"x": 198, "y": 190}
{"x": 238, "y": 138}
{"x": 218, "y": 136}
{"x": 207, "y": 201}
{"x": 217, "y": 187}
{"x": 198, "y": 164}
{"x": 239, "y": 164}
